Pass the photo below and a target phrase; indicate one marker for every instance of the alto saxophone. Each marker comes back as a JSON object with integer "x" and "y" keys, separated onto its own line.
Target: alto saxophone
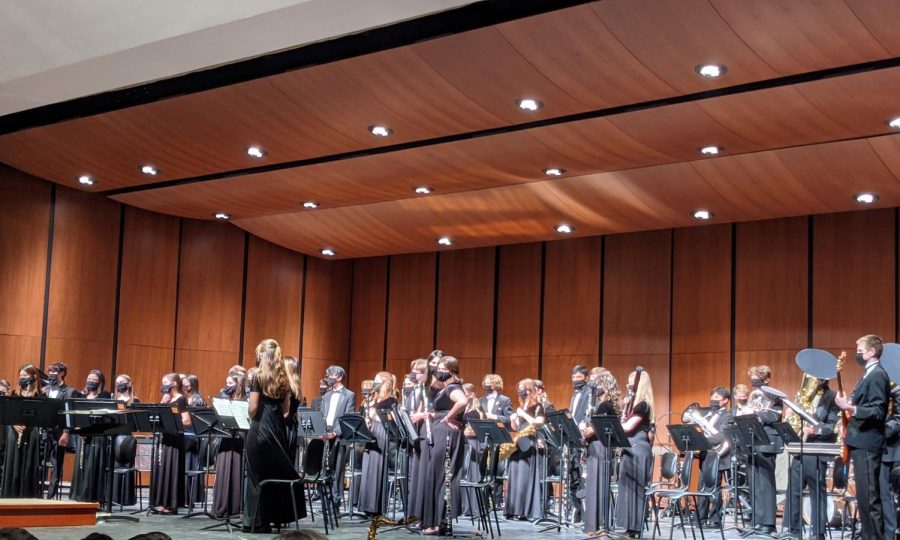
{"x": 382, "y": 520}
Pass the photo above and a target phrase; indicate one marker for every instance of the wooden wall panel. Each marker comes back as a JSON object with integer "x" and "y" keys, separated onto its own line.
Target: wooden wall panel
{"x": 81, "y": 316}
{"x": 208, "y": 328}
{"x": 701, "y": 313}
{"x": 24, "y": 228}
{"x": 636, "y": 308}
{"x": 854, "y": 281}
{"x": 571, "y": 312}
{"x": 771, "y": 298}
{"x": 367, "y": 325}
{"x": 465, "y": 313}
{"x": 518, "y": 313}
{"x": 326, "y": 319}
{"x": 274, "y": 282}
{"x": 147, "y": 299}
{"x": 410, "y": 329}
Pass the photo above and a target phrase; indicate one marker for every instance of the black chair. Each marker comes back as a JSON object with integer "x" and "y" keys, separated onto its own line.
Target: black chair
{"x": 708, "y": 488}
{"x": 125, "y": 451}
{"x": 655, "y": 493}
{"x": 207, "y": 464}
{"x": 314, "y": 476}
{"x": 483, "y": 489}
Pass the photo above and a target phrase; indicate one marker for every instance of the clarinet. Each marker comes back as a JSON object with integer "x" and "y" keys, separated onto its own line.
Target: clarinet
{"x": 447, "y": 524}
{"x": 427, "y": 406}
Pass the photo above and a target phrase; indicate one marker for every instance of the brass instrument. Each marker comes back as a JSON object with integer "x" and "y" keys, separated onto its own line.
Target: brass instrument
{"x": 372, "y": 533}
{"x": 808, "y": 397}
{"x": 507, "y": 449}
{"x": 691, "y": 415}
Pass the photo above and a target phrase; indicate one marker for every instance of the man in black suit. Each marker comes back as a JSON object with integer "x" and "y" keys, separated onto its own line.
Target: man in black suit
{"x": 494, "y": 404}
{"x": 578, "y": 406}
{"x": 768, "y": 410}
{"x": 58, "y": 440}
{"x": 867, "y": 407}
{"x": 811, "y": 471}
{"x": 316, "y": 404}
{"x": 338, "y": 401}
{"x": 890, "y": 459}
{"x": 719, "y": 417}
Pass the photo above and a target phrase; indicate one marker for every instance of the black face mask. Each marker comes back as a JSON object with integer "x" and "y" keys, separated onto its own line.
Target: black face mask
{"x": 331, "y": 381}
{"x": 523, "y": 395}
{"x": 742, "y": 402}
{"x": 488, "y": 389}
{"x": 229, "y": 390}
{"x": 53, "y": 380}
{"x": 366, "y": 393}
{"x": 578, "y": 385}
{"x": 122, "y": 388}
{"x": 413, "y": 377}
{"x": 756, "y": 382}
{"x": 25, "y": 382}
{"x": 714, "y": 404}
{"x": 860, "y": 360}
{"x": 165, "y": 389}
{"x": 442, "y": 376}
{"x": 92, "y": 386}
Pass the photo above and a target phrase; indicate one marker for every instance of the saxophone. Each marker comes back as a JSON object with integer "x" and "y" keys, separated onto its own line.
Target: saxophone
{"x": 382, "y": 520}
{"x": 507, "y": 449}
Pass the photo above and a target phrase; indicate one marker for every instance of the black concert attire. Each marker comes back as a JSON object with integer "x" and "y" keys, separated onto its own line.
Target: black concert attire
{"x": 229, "y": 483}
{"x": 890, "y": 459}
{"x": 292, "y": 426}
{"x": 436, "y": 468}
{"x": 634, "y": 472}
{"x": 710, "y": 509}
{"x": 418, "y": 456}
{"x": 500, "y": 406}
{"x": 865, "y": 437}
{"x": 91, "y": 463}
{"x": 21, "y": 464}
{"x": 192, "y": 457}
{"x": 579, "y": 407}
{"x": 811, "y": 473}
{"x": 372, "y": 496}
{"x": 524, "y": 493}
{"x": 472, "y": 465}
{"x": 267, "y": 458}
{"x": 57, "y": 452}
{"x": 336, "y": 403}
{"x": 597, "y": 490}
{"x": 167, "y": 475}
{"x": 124, "y": 489}
{"x": 763, "y": 479}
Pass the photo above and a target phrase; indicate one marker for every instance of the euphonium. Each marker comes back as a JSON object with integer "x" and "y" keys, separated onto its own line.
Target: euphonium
{"x": 692, "y": 415}
{"x": 808, "y": 396}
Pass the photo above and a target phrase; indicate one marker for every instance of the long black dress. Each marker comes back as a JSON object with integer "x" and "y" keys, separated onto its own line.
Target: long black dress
{"x": 267, "y": 458}
{"x": 596, "y": 498}
{"x": 418, "y": 459}
{"x": 89, "y": 472}
{"x": 434, "y": 470}
{"x": 167, "y": 477}
{"x": 228, "y": 490}
{"x": 525, "y": 495}
{"x": 21, "y": 471}
{"x": 634, "y": 472}
{"x": 372, "y": 496}
{"x": 471, "y": 466}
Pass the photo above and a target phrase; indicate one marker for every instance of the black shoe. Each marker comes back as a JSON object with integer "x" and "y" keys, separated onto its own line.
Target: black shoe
{"x": 711, "y": 525}
{"x": 765, "y": 529}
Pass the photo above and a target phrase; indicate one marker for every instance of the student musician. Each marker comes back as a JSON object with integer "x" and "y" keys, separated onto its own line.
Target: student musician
{"x": 372, "y": 497}
{"x": 292, "y": 369}
{"x": 21, "y": 463}
{"x": 472, "y": 466}
{"x": 890, "y": 458}
{"x": 415, "y": 406}
{"x": 810, "y": 472}
{"x": 59, "y": 439}
{"x": 768, "y": 410}
{"x": 740, "y": 397}
{"x": 867, "y": 406}
{"x": 88, "y": 475}
{"x": 719, "y": 416}
{"x": 578, "y": 406}
{"x": 227, "y": 490}
{"x": 124, "y": 491}
{"x": 338, "y": 401}
{"x": 316, "y": 404}
{"x": 634, "y": 468}
{"x": 525, "y": 495}
{"x": 167, "y": 478}
{"x": 495, "y": 405}
{"x": 596, "y": 483}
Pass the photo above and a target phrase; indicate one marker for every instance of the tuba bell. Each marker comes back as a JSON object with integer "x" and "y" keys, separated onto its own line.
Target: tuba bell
{"x": 692, "y": 415}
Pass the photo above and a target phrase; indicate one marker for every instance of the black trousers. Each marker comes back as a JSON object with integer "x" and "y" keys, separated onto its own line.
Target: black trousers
{"x": 763, "y": 484}
{"x": 888, "y": 502}
{"x": 57, "y": 456}
{"x": 339, "y": 455}
{"x": 808, "y": 475}
{"x": 710, "y": 508}
{"x": 867, "y": 467}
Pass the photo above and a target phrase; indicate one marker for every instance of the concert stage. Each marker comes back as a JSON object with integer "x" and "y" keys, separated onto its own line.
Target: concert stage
{"x": 43, "y": 513}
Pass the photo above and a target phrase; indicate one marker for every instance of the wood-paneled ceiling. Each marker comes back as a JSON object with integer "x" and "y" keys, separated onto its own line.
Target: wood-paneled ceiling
{"x": 801, "y": 113}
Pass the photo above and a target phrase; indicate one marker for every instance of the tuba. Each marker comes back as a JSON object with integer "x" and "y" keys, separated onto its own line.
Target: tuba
{"x": 808, "y": 397}
{"x": 691, "y": 415}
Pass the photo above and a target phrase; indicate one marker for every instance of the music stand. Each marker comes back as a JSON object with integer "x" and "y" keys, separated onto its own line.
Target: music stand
{"x": 311, "y": 424}
{"x": 205, "y": 423}
{"x": 353, "y": 431}
{"x": 38, "y": 413}
{"x": 159, "y": 419}
{"x": 562, "y": 431}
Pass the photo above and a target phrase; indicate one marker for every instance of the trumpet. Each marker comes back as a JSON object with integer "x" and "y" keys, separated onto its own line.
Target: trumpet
{"x": 691, "y": 415}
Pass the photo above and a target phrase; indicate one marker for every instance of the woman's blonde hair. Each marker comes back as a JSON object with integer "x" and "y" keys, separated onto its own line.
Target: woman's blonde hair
{"x": 272, "y": 377}
{"x": 494, "y": 380}
{"x": 388, "y": 383}
{"x": 644, "y": 392}
{"x": 292, "y": 369}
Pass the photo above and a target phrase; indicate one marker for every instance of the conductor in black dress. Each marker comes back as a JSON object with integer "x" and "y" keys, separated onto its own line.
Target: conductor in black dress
{"x": 338, "y": 401}
{"x": 867, "y": 406}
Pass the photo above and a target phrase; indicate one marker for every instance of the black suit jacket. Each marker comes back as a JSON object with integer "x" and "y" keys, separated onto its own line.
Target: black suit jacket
{"x": 866, "y": 428}
{"x": 346, "y": 404}
{"x": 767, "y": 418}
{"x": 581, "y": 407}
{"x": 720, "y": 422}
{"x": 502, "y": 408}
{"x": 892, "y": 429}
{"x": 827, "y": 414}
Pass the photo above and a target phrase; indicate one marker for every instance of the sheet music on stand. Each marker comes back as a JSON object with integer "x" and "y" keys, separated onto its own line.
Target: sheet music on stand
{"x": 233, "y": 414}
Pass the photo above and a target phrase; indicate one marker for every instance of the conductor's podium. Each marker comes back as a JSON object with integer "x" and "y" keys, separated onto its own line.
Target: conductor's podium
{"x": 44, "y": 513}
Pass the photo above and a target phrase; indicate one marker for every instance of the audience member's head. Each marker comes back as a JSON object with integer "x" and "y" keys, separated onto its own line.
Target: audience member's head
{"x": 155, "y": 535}
{"x": 16, "y": 533}
{"x": 97, "y": 536}
{"x": 302, "y": 534}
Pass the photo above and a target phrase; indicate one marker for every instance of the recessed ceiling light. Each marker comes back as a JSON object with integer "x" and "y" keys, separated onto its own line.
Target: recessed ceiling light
{"x": 895, "y": 123}
{"x": 866, "y": 198}
{"x": 565, "y": 228}
{"x": 710, "y": 71}
{"x": 703, "y": 214}
{"x": 328, "y": 252}
{"x": 380, "y": 131}
{"x": 554, "y": 171}
{"x": 711, "y": 150}
{"x": 85, "y": 180}
{"x": 257, "y": 152}
{"x": 529, "y": 104}
{"x": 222, "y": 215}
{"x": 423, "y": 190}
{"x": 310, "y": 204}
{"x": 149, "y": 170}
{"x": 445, "y": 241}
